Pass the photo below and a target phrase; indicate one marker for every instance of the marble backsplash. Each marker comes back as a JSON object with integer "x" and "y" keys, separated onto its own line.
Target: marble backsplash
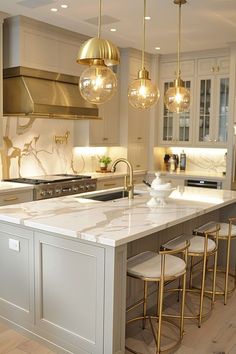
{"x": 30, "y": 149}
{"x": 197, "y": 159}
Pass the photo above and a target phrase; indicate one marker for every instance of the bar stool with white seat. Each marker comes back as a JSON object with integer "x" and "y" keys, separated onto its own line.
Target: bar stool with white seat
{"x": 161, "y": 267}
{"x": 203, "y": 247}
{"x": 227, "y": 233}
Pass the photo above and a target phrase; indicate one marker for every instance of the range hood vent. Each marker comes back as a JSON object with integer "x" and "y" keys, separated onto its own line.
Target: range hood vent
{"x": 31, "y": 92}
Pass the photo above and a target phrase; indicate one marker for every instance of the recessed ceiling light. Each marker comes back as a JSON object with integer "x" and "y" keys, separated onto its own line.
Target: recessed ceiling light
{"x": 64, "y": 6}
{"x": 53, "y": 9}
{"x": 157, "y": 48}
{"x": 147, "y": 18}
{"x": 113, "y": 29}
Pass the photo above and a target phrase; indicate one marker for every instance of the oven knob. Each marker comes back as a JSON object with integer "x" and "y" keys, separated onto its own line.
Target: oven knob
{"x": 43, "y": 193}
{"x": 58, "y": 191}
{"x": 82, "y": 188}
{"x": 87, "y": 187}
{"x": 50, "y": 193}
{"x": 75, "y": 189}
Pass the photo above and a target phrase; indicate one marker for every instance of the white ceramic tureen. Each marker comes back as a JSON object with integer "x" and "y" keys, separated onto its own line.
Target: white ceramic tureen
{"x": 159, "y": 191}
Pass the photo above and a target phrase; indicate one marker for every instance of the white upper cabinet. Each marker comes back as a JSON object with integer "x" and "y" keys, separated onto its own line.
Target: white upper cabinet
{"x": 104, "y": 132}
{"x": 176, "y": 129}
{"x": 212, "y": 111}
{"x": 206, "y": 122}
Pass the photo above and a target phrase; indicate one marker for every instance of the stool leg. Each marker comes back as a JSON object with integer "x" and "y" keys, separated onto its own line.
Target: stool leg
{"x": 182, "y": 307}
{"x": 190, "y": 273}
{"x": 145, "y": 303}
{"x": 227, "y": 270}
{"x": 203, "y": 282}
{"x": 214, "y": 278}
{"x": 161, "y": 292}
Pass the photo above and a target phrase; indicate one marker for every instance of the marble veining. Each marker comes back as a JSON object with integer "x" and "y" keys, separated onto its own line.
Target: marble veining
{"x": 115, "y": 222}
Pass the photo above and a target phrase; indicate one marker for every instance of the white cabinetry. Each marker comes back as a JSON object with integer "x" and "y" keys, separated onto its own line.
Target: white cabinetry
{"x": 135, "y": 124}
{"x": 16, "y": 197}
{"x": 104, "y": 132}
{"x": 42, "y": 46}
{"x": 212, "y": 101}
{"x": 176, "y": 129}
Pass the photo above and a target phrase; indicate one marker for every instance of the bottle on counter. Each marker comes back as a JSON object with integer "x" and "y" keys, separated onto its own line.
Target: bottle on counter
{"x": 182, "y": 161}
{"x": 172, "y": 164}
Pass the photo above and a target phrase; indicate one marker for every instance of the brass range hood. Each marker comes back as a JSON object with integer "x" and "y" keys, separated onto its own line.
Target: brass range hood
{"x": 31, "y": 92}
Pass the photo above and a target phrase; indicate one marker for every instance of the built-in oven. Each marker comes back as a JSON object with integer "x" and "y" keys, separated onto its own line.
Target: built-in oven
{"x": 203, "y": 183}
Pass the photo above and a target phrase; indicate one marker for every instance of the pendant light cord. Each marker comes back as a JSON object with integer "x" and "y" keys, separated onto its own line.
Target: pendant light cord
{"x": 99, "y": 18}
{"x": 178, "y": 58}
{"x": 144, "y": 32}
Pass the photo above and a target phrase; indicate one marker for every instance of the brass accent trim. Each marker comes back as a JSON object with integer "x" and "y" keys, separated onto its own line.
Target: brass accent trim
{"x": 143, "y": 74}
{"x": 180, "y": 2}
{"x": 98, "y": 48}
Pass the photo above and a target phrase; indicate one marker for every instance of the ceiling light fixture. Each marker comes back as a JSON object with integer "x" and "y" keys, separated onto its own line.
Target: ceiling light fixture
{"x": 157, "y": 48}
{"x": 177, "y": 98}
{"x": 113, "y": 29}
{"x": 147, "y": 18}
{"x": 142, "y": 93}
{"x": 53, "y": 9}
{"x": 64, "y": 6}
{"x": 98, "y": 83}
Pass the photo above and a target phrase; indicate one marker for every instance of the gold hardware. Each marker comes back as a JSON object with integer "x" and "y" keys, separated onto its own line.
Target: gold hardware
{"x": 109, "y": 184}
{"x": 217, "y": 68}
{"x": 138, "y": 165}
{"x": 62, "y": 139}
{"x": 127, "y": 187}
{"x": 212, "y": 69}
{"x": 139, "y": 138}
{"x": 105, "y": 139}
{"x": 10, "y": 199}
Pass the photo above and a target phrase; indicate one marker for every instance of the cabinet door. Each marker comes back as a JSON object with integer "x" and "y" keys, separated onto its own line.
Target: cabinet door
{"x": 138, "y": 155}
{"x": 138, "y": 125}
{"x": 209, "y": 66}
{"x": 205, "y": 110}
{"x": 222, "y": 106}
{"x": 176, "y": 128}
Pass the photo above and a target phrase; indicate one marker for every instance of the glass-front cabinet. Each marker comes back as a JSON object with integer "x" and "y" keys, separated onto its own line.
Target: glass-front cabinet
{"x": 212, "y": 112}
{"x": 175, "y": 128}
{"x": 212, "y": 101}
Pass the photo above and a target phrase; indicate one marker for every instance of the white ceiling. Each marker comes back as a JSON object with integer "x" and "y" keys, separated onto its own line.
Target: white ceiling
{"x": 206, "y": 24}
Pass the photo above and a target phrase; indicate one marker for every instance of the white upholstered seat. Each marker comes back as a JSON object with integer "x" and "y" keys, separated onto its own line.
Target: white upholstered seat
{"x": 197, "y": 245}
{"x": 148, "y": 265}
{"x": 224, "y": 230}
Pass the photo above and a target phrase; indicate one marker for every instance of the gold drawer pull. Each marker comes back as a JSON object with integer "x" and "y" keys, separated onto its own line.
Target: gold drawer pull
{"x": 10, "y": 199}
{"x": 104, "y": 139}
{"x": 139, "y": 138}
{"x": 109, "y": 184}
{"x": 138, "y": 165}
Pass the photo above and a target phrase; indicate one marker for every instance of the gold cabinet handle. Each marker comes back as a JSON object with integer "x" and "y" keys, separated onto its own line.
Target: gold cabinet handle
{"x": 212, "y": 69}
{"x": 138, "y": 165}
{"x": 104, "y": 139}
{"x": 109, "y": 184}
{"x": 10, "y": 199}
{"x": 139, "y": 138}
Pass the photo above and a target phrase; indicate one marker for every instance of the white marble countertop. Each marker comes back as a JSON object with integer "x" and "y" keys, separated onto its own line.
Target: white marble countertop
{"x": 192, "y": 174}
{"x": 115, "y": 222}
{"x": 6, "y": 187}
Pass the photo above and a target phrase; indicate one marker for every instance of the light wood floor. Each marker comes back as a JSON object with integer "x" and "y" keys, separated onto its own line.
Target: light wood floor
{"x": 216, "y": 336}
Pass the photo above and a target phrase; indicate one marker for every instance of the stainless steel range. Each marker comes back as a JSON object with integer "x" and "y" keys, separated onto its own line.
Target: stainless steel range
{"x": 58, "y": 185}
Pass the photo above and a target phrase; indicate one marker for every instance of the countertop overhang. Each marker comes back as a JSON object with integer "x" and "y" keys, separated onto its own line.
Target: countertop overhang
{"x": 117, "y": 222}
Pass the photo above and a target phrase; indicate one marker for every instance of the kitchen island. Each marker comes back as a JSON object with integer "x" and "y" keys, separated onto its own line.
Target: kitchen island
{"x": 63, "y": 260}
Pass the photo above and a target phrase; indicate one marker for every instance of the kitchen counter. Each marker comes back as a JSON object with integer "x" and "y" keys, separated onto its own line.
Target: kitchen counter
{"x": 117, "y": 222}
{"x": 192, "y": 174}
{"x": 63, "y": 273}
{"x": 6, "y": 187}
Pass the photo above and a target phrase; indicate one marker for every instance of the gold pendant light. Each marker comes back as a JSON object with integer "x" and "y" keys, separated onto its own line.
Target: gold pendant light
{"x": 177, "y": 98}
{"x": 98, "y": 83}
{"x": 142, "y": 93}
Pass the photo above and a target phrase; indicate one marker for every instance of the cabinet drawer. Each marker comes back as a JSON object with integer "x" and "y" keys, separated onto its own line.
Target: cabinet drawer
{"x": 14, "y": 198}
{"x": 110, "y": 183}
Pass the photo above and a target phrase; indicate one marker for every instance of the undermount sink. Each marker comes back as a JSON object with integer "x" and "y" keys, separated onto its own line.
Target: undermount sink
{"x": 109, "y": 196}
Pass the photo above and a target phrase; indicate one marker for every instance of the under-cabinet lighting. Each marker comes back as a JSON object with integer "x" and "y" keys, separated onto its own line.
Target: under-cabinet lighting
{"x": 90, "y": 151}
{"x": 53, "y": 9}
{"x": 113, "y": 29}
{"x": 157, "y": 48}
{"x": 64, "y": 6}
{"x": 147, "y": 18}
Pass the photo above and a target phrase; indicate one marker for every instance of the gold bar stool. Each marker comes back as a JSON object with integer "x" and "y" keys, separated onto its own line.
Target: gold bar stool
{"x": 203, "y": 247}
{"x": 227, "y": 233}
{"x": 162, "y": 268}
